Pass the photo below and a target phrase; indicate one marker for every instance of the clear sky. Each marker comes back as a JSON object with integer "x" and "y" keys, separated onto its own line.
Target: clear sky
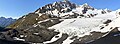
{"x": 18, "y": 8}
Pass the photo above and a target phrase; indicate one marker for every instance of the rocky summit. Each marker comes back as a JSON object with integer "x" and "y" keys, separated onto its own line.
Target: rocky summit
{"x": 64, "y": 22}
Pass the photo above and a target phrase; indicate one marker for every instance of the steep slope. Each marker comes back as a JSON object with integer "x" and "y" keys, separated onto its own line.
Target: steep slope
{"x": 63, "y": 23}
{"x": 35, "y": 24}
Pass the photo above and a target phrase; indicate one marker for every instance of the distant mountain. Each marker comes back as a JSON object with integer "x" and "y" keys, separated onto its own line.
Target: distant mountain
{"x": 6, "y": 21}
{"x": 64, "y": 22}
{"x": 1, "y": 28}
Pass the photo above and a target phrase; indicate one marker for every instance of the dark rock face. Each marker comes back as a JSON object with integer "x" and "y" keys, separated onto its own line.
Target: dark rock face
{"x": 1, "y": 28}
{"x": 60, "y": 41}
{"x": 3, "y": 41}
{"x": 77, "y": 42}
{"x": 41, "y": 36}
{"x": 88, "y": 38}
{"x": 111, "y": 38}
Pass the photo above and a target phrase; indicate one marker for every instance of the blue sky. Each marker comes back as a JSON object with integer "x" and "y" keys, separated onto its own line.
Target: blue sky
{"x": 18, "y": 8}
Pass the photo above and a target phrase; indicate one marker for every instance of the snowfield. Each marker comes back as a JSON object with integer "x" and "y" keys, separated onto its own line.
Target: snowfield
{"x": 93, "y": 20}
{"x": 83, "y": 26}
{"x": 80, "y": 26}
{"x": 77, "y": 26}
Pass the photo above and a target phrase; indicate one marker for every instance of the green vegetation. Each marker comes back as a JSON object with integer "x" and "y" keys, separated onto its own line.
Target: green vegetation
{"x": 27, "y": 21}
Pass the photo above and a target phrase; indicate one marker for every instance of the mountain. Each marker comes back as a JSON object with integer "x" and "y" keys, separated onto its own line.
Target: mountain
{"x": 6, "y": 21}
{"x": 64, "y": 22}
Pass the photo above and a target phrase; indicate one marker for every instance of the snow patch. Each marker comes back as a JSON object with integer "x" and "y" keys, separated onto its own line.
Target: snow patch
{"x": 44, "y": 21}
{"x": 36, "y": 33}
{"x": 40, "y": 14}
{"x": 67, "y": 41}
{"x": 118, "y": 29}
{"x": 24, "y": 17}
{"x": 36, "y": 18}
{"x": 53, "y": 39}
{"x": 35, "y": 25}
{"x": 55, "y": 12}
{"x": 21, "y": 35}
{"x": 15, "y": 38}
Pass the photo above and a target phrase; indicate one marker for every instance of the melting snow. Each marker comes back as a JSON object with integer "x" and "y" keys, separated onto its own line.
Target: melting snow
{"x": 36, "y": 18}
{"x": 119, "y": 29}
{"x": 53, "y": 39}
{"x": 67, "y": 41}
{"x": 21, "y": 35}
{"x": 15, "y": 38}
{"x": 24, "y": 17}
{"x": 36, "y": 33}
{"x": 35, "y": 25}
{"x": 44, "y": 21}
{"x": 38, "y": 13}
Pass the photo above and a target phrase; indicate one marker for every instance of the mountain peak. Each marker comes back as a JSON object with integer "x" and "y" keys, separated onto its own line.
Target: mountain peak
{"x": 57, "y": 7}
{"x": 65, "y": 0}
{"x": 86, "y": 5}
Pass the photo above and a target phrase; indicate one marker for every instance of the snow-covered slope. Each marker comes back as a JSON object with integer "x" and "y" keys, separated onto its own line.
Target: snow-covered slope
{"x": 81, "y": 27}
{"x": 77, "y": 26}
